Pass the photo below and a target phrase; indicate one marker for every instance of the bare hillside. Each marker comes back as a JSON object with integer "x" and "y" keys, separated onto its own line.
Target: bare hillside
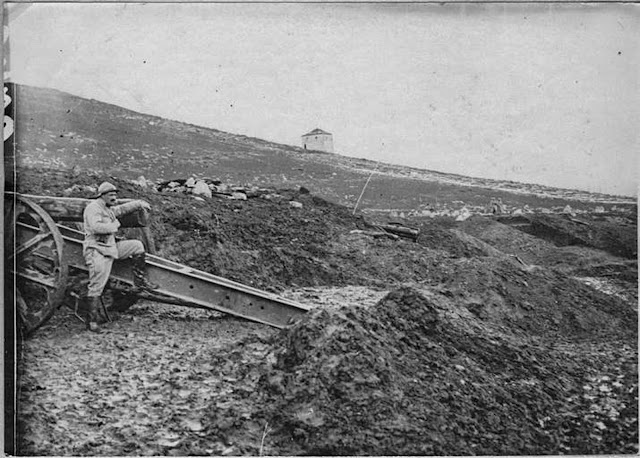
{"x": 64, "y": 131}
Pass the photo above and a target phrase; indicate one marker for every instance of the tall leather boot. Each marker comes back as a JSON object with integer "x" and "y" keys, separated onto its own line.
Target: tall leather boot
{"x": 139, "y": 268}
{"x": 93, "y": 315}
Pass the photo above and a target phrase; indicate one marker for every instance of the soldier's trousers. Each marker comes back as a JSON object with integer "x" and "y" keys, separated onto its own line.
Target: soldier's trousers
{"x": 100, "y": 265}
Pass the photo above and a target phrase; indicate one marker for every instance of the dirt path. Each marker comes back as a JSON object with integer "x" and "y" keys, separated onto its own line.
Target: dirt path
{"x": 138, "y": 388}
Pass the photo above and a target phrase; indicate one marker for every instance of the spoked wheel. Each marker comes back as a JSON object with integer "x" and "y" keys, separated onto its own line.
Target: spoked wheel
{"x": 34, "y": 255}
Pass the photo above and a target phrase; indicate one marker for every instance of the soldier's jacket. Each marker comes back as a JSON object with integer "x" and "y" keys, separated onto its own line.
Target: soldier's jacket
{"x": 101, "y": 224}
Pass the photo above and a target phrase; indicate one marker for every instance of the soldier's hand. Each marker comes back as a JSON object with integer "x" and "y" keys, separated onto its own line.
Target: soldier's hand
{"x": 146, "y": 206}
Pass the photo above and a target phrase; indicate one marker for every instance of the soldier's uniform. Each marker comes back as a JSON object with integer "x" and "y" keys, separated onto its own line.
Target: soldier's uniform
{"x": 100, "y": 247}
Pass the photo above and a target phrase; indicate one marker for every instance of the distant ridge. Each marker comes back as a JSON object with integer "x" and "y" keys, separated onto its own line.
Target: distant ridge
{"x": 60, "y": 130}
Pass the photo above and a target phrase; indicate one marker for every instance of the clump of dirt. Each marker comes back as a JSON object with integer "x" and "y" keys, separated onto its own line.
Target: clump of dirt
{"x": 403, "y": 378}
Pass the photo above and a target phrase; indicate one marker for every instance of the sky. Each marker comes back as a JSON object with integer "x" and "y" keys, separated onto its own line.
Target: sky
{"x": 533, "y": 92}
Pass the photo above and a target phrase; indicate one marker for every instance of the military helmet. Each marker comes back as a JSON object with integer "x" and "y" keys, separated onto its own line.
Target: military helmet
{"x": 105, "y": 188}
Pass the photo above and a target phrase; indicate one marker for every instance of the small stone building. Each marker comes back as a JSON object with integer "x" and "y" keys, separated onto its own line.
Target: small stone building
{"x": 318, "y": 140}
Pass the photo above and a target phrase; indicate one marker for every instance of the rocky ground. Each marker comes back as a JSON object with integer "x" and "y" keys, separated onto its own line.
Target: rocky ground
{"x": 479, "y": 337}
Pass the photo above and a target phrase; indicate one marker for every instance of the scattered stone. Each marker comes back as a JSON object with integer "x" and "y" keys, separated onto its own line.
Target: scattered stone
{"x": 238, "y": 196}
{"x": 142, "y": 182}
{"x": 208, "y": 187}
{"x": 79, "y": 191}
{"x": 272, "y": 196}
{"x": 295, "y": 204}
{"x": 201, "y": 188}
{"x": 463, "y": 215}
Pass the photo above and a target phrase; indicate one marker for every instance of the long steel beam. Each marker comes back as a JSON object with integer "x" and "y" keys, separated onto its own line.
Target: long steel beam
{"x": 183, "y": 284}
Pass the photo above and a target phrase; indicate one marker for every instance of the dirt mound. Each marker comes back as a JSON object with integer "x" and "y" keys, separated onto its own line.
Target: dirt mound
{"x": 508, "y": 239}
{"x": 616, "y": 234}
{"x": 402, "y": 378}
{"x": 264, "y": 242}
{"x": 438, "y": 235}
{"x": 546, "y": 239}
{"x": 533, "y": 301}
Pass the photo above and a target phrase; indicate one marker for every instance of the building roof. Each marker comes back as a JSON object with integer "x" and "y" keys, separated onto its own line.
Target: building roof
{"x": 316, "y": 132}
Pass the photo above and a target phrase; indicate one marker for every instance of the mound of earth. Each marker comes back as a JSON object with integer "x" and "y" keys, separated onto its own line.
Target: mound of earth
{"x": 599, "y": 255}
{"x": 414, "y": 376}
{"x": 534, "y": 302}
{"x": 615, "y": 234}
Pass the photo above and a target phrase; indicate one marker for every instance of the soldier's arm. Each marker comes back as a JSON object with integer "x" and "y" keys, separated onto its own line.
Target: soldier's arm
{"x": 129, "y": 207}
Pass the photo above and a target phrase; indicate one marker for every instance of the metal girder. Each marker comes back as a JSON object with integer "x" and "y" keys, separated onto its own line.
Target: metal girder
{"x": 185, "y": 285}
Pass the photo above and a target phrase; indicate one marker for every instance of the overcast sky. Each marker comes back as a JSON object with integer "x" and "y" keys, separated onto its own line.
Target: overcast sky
{"x": 543, "y": 93}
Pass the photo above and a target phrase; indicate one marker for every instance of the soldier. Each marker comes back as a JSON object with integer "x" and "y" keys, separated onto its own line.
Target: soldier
{"x": 100, "y": 247}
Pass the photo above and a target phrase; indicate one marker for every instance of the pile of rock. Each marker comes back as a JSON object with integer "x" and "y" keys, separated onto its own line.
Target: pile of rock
{"x": 143, "y": 182}
{"x": 80, "y": 190}
{"x": 460, "y": 214}
{"x": 205, "y": 187}
{"x": 199, "y": 187}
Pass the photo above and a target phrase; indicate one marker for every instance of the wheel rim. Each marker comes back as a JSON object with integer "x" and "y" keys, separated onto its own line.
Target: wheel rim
{"x": 35, "y": 257}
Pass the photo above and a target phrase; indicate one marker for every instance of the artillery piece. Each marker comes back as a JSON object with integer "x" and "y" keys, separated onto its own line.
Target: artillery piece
{"x": 44, "y": 261}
